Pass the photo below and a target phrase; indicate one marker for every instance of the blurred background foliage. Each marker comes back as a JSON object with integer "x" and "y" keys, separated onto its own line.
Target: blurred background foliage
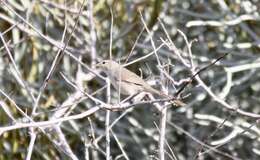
{"x": 211, "y": 23}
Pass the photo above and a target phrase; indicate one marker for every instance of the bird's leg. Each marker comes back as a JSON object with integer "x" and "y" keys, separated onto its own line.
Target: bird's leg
{"x": 157, "y": 105}
{"x": 128, "y": 99}
{"x": 138, "y": 97}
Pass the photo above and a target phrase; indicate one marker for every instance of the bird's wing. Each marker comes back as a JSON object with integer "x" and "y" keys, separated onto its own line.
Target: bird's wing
{"x": 130, "y": 77}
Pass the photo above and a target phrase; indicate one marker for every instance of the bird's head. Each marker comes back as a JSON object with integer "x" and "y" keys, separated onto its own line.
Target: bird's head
{"x": 107, "y": 65}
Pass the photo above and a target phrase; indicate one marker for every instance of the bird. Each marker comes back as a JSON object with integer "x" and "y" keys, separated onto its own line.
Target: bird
{"x": 127, "y": 82}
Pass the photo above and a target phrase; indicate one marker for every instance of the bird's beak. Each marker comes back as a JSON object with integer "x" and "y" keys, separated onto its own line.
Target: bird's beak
{"x": 97, "y": 65}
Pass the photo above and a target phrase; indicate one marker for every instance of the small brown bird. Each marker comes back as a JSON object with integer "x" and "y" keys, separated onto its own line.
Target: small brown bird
{"x": 128, "y": 81}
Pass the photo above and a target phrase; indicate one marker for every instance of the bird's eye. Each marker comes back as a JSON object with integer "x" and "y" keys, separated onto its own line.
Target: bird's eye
{"x": 103, "y": 62}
